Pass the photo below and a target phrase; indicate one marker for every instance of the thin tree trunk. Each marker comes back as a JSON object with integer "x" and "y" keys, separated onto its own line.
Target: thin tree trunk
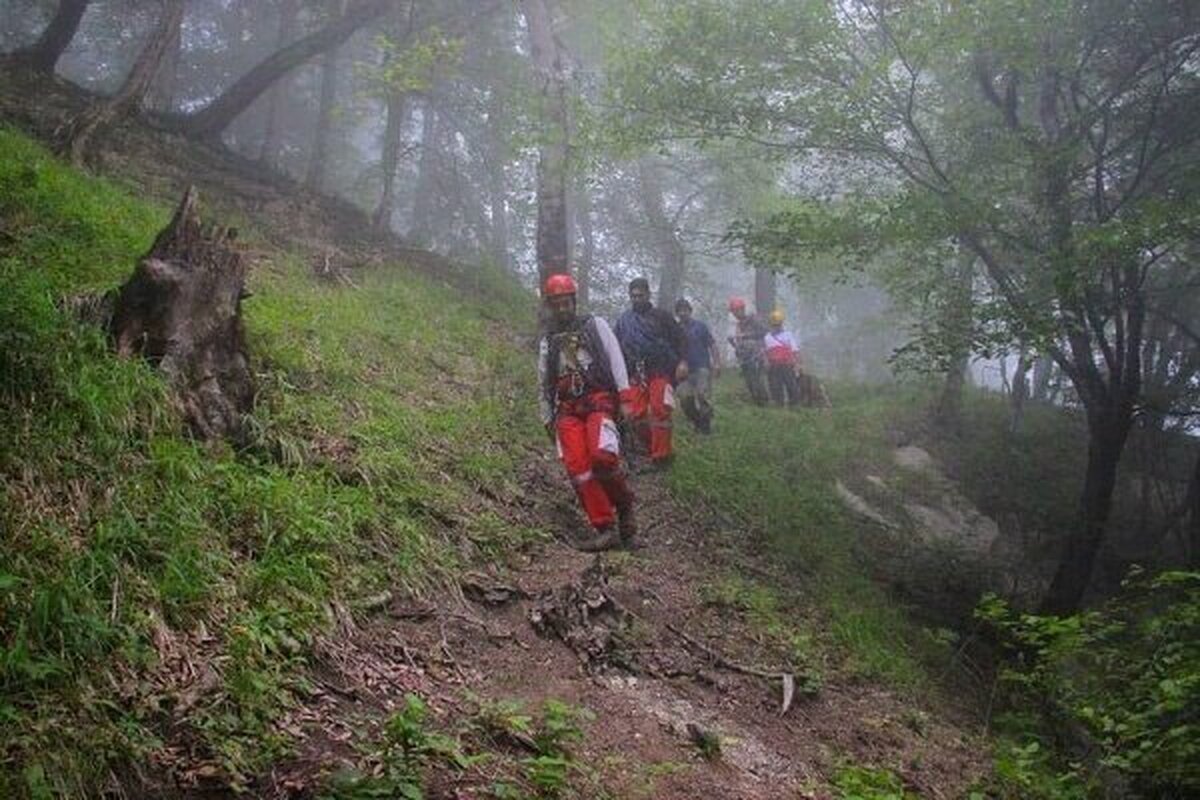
{"x": 1193, "y": 501}
{"x": 1106, "y": 439}
{"x": 674, "y": 258}
{"x": 955, "y": 322}
{"x": 497, "y": 181}
{"x": 498, "y": 204}
{"x": 44, "y": 54}
{"x": 947, "y": 412}
{"x": 421, "y": 229}
{"x": 393, "y": 134}
{"x": 1020, "y": 391}
{"x": 216, "y": 116}
{"x": 162, "y": 90}
{"x": 553, "y": 225}
{"x": 587, "y": 257}
{"x": 1043, "y": 371}
{"x": 397, "y": 114}
{"x": 318, "y": 169}
{"x": 129, "y": 97}
{"x": 764, "y": 291}
{"x": 270, "y": 147}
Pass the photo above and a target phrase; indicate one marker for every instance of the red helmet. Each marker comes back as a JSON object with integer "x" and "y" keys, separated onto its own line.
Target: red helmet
{"x": 559, "y": 284}
{"x": 737, "y": 304}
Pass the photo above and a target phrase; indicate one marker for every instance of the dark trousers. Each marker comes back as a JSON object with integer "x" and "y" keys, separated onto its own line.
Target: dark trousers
{"x": 784, "y": 386}
{"x": 752, "y": 374}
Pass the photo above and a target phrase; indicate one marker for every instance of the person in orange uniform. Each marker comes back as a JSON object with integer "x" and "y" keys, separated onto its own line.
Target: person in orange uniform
{"x": 584, "y": 383}
{"x": 653, "y": 344}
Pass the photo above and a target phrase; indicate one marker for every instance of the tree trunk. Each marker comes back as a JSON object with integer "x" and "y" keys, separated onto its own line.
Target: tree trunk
{"x": 764, "y": 291}
{"x": 44, "y": 54}
{"x": 955, "y": 320}
{"x": 271, "y": 139}
{"x": 318, "y": 170}
{"x": 553, "y": 226}
{"x": 105, "y": 113}
{"x": 674, "y": 258}
{"x": 1020, "y": 391}
{"x": 162, "y": 90}
{"x": 498, "y": 157}
{"x": 498, "y": 204}
{"x": 587, "y": 256}
{"x": 181, "y": 310}
{"x": 1043, "y": 371}
{"x": 421, "y": 229}
{"x": 397, "y": 113}
{"x": 1108, "y": 429}
{"x": 216, "y": 116}
{"x": 1193, "y": 502}
{"x": 947, "y": 412}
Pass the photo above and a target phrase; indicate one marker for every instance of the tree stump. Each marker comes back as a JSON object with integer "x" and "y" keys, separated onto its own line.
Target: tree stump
{"x": 181, "y": 310}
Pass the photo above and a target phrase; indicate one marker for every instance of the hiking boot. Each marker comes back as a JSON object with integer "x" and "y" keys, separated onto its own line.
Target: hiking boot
{"x": 627, "y": 524}
{"x": 603, "y": 539}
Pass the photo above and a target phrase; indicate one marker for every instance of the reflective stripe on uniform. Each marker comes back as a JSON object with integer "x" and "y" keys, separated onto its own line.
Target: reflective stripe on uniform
{"x": 582, "y": 478}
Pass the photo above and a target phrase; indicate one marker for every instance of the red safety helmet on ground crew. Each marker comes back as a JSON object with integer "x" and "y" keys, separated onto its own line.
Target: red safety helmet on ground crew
{"x": 559, "y": 284}
{"x": 737, "y": 304}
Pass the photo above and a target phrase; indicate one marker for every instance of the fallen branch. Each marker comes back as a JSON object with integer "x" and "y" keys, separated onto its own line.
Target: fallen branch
{"x": 787, "y": 679}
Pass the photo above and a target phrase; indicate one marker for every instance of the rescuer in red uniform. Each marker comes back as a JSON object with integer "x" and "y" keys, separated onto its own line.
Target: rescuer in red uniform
{"x": 584, "y": 384}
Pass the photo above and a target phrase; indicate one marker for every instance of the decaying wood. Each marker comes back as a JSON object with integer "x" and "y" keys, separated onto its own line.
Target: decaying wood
{"x": 584, "y": 616}
{"x": 181, "y": 310}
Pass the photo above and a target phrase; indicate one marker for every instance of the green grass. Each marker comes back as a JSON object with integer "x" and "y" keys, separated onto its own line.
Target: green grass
{"x": 774, "y": 469}
{"x": 380, "y": 409}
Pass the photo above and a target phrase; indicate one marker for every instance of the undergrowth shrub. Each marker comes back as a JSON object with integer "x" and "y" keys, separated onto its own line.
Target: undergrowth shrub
{"x": 1106, "y": 697}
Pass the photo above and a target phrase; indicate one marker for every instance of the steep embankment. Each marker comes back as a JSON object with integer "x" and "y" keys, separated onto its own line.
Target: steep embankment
{"x": 185, "y": 619}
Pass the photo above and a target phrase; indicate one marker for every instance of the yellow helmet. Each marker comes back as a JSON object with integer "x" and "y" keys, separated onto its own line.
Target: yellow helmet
{"x": 776, "y": 317}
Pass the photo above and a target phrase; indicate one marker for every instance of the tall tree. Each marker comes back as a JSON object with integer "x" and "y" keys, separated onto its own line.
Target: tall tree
{"x": 428, "y": 183}
{"x": 163, "y": 87}
{"x": 671, "y": 252}
{"x": 106, "y": 112}
{"x": 44, "y": 54}
{"x": 288, "y": 13}
{"x": 318, "y": 163}
{"x": 550, "y": 65}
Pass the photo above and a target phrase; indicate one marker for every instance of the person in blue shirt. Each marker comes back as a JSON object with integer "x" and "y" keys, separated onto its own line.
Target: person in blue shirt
{"x": 703, "y": 359}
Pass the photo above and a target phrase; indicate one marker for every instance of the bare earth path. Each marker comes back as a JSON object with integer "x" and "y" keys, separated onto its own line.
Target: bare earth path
{"x": 633, "y": 638}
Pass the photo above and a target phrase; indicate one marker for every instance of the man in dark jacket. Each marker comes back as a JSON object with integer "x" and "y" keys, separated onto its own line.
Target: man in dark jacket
{"x": 653, "y": 344}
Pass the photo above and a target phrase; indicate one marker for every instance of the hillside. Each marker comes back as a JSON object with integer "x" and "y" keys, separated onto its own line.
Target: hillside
{"x": 182, "y": 618}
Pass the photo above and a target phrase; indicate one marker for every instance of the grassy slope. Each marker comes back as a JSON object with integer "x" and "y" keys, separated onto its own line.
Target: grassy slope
{"x": 380, "y": 411}
{"x": 116, "y": 529}
{"x": 774, "y": 469}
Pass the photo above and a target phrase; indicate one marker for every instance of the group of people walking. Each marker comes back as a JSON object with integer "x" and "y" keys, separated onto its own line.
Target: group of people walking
{"x": 591, "y": 375}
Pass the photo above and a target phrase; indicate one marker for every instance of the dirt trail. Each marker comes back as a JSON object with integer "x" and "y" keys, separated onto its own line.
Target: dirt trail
{"x": 653, "y": 693}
